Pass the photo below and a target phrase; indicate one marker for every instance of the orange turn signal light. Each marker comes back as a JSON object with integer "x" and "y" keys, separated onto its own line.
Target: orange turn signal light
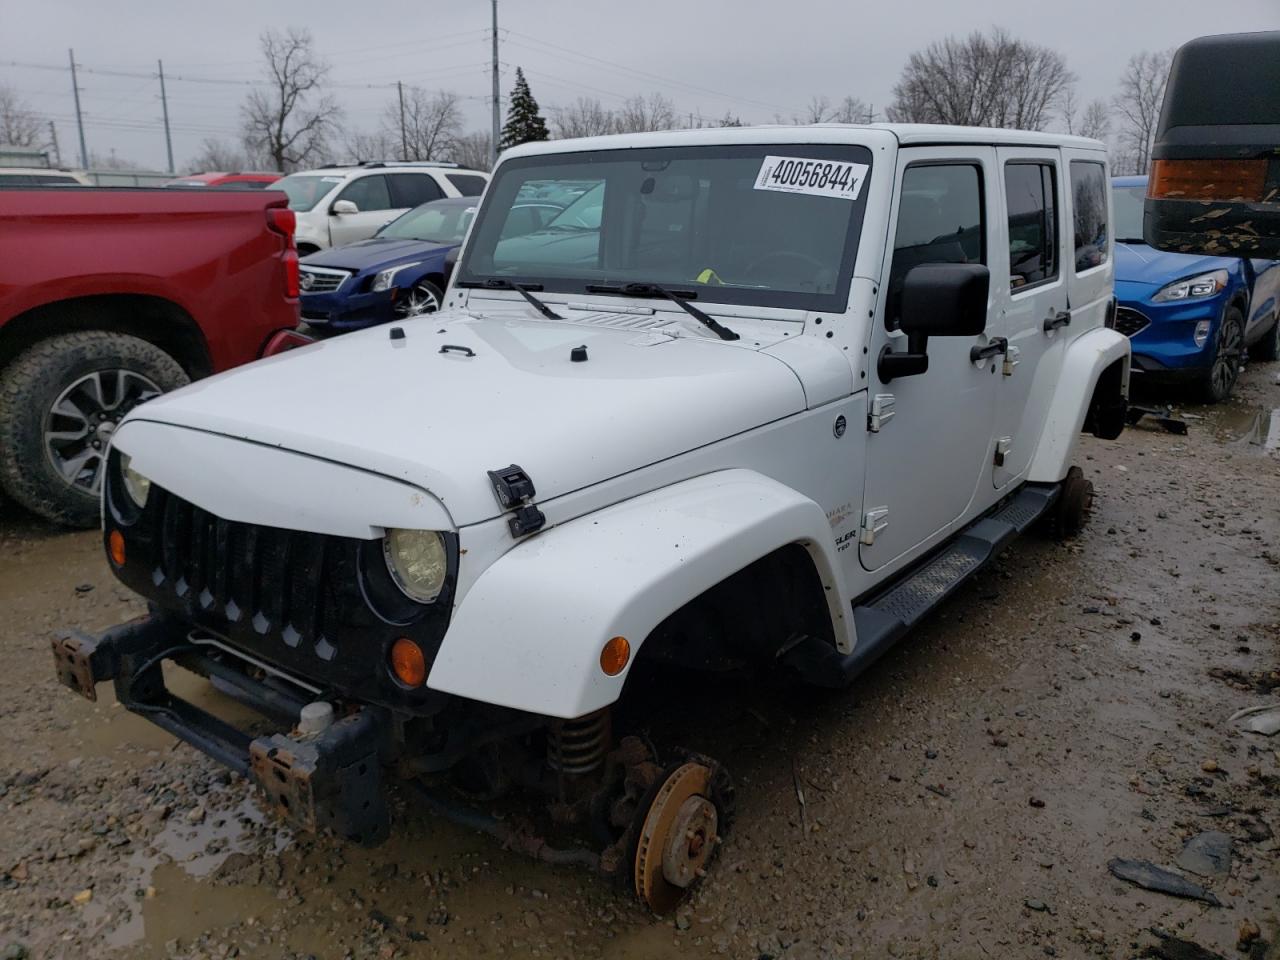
{"x": 115, "y": 547}
{"x": 614, "y": 656}
{"x": 408, "y": 662}
{"x": 1221, "y": 180}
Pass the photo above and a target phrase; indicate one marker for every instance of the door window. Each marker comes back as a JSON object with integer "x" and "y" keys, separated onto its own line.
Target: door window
{"x": 411, "y": 189}
{"x": 468, "y": 184}
{"x": 368, "y": 193}
{"x": 1031, "y": 189}
{"x": 1089, "y": 202}
{"x": 939, "y": 221}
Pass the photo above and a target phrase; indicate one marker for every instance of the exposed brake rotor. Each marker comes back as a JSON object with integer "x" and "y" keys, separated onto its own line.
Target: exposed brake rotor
{"x": 678, "y": 837}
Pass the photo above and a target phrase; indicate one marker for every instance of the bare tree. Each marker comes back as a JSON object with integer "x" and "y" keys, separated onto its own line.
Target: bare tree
{"x": 216, "y": 154}
{"x": 641, "y": 114}
{"x": 585, "y": 117}
{"x": 432, "y": 122}
{"x": 471, "y": 150}
{"x": 818, "y": 111}
{"x": 851, "y": 110}
{"x": 292, "y": 119}
{"x": 1138, "y": 106}
{"x": 990, "y": 80}
{"x": 379, "y": 145}
{"x": 19, "y": 126}
{"x": 1095, "y": 122}
{"x": 729, "y": 120}
{"x": 109, "y": 161}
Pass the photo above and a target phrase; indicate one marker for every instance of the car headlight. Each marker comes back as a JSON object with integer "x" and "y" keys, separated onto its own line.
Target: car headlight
{"x": 417, "y": 561}
{"x": 1205, "y": 285}
{"x": 384, "y": 279}
{"x": 136, "y": 485}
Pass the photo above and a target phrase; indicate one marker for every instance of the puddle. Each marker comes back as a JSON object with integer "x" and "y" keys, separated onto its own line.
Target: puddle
{"x": 1250, "y": 426}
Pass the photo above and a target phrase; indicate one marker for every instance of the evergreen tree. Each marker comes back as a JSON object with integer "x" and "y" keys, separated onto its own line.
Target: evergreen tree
{"x": 524, "y": 123}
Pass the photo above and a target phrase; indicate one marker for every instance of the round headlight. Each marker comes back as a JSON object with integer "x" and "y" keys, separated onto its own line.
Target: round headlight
{"x": 135, "y": 484}
{"x": 418, "y": 562}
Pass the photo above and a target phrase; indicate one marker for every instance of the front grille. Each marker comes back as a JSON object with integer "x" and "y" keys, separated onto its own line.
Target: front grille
{"x": 276, "y": 583}
{"x": 321, "y": 280}
{"x": 1130, "y": 322}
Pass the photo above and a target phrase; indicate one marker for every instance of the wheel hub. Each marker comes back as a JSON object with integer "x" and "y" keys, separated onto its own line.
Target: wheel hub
{"x": 678, "y": 838}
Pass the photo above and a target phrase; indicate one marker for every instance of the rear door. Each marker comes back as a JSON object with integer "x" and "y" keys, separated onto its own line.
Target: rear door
{"x": 372, "y": 197}
{"x": 1031, "y": 291}
{"x": 929, "y": 438}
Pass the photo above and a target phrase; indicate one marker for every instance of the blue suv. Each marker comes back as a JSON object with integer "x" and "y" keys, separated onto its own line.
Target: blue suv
{"x": 1190, "y": 317}
{"x": 400, "y": 272}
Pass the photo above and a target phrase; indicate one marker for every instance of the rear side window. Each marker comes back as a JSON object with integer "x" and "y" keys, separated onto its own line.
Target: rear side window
{"x": 468, "y": 184}
{"x": 1032, "y": 195}
{"x": 939, "y": 221}
{"x": 1089, "y": 201}
{"x": 412, "y": 189}
{"x": 368, "y": 193}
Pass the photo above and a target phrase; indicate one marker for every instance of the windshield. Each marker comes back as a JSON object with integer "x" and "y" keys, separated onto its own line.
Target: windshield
{"x": 435, "y": 221}
{"x": 766, "y": 225}
{"x": 306, "y": 190}
{"x": 1128, "y": 207}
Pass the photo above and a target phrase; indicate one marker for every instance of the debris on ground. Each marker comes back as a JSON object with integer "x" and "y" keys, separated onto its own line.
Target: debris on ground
{"x": 1147, "y": 875}
{"x": 1263, "y": 719}
{"x": 1171, "y": 948}
{"x": 1207, "y": 854}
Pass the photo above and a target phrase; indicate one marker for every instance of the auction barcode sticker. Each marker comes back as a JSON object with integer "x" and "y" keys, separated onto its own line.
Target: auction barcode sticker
{"x": 819, "y": 178}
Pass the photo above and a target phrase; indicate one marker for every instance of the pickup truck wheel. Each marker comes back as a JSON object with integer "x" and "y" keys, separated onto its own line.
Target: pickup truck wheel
{"x": 422, "y": 298}
{"x": 1228, "y": 348}
{"x": 1268, "y": 348}
{"x": 60, "y": 401}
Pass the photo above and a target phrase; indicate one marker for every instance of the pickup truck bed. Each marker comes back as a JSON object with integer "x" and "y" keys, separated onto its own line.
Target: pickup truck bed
{"x": 109, "y": 296}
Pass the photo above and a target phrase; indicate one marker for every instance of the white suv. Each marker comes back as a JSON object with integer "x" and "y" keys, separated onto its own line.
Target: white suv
{"x": 349, "y": 202}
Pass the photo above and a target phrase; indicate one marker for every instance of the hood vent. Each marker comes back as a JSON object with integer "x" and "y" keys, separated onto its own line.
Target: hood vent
{"x": 618, "y": 321}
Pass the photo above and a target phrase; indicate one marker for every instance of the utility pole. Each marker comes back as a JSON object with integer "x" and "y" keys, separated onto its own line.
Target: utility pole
{"x": 75, "y": 90}
{"x": 404, "y": 140}
{"x": 53, "y": 139}
{"x": 164, "y": 103}
{"x": 497, "y": 125}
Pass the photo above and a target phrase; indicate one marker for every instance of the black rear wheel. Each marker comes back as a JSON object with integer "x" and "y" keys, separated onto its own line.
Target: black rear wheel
{"x": 60, "y": 403}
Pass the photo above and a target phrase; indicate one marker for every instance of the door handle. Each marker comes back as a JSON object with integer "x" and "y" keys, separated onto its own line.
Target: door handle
{"x": 997, "y": 346}
{"x": 1057, "y": 319}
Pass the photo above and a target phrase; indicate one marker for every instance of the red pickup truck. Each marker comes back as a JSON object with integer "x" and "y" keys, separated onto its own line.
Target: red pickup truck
{"x": 110, "y": 296}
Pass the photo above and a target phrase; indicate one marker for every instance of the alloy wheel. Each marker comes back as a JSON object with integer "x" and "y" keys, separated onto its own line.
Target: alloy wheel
{"x": 418, "y": 301}
{"x": 1226, "y": 360}
{"x": 79, "y": 425}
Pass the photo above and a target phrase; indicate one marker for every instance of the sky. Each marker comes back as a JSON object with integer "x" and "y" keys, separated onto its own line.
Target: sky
{"x": 752, "y": 58}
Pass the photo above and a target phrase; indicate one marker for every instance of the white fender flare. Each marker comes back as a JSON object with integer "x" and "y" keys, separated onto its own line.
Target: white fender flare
{"x": 529, "y": 633}
{"x": 1086, "y": 357}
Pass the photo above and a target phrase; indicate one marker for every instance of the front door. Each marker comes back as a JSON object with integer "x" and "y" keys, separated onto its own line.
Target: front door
{"x": 929, "y": 435}
{"x": 1031, "y": 295}
{"x": 372, "y": 197}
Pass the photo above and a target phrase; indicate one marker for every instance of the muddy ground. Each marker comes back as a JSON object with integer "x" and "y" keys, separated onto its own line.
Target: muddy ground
{"x": 963, "y": 800}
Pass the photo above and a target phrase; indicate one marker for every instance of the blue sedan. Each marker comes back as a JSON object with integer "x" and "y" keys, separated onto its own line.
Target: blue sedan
{"x": 1190, "y": 317}
{"x": 400, "y": 272}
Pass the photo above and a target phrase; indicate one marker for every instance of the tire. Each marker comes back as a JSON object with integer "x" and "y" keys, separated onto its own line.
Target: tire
{"x": 1228, "y": 349}
{"x": 1268, "y": 348}
{"x": 422, "y": 298}
{"x": 1075, "y": 500}
{"x": 52, "y": 462}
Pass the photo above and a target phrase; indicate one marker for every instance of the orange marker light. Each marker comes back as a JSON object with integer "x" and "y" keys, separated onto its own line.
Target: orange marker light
{"x": 614, "y": 656}
{"x": 408, "y": 663}
{"x": 1221, "y": 180}
{"x": 115, "y": 547}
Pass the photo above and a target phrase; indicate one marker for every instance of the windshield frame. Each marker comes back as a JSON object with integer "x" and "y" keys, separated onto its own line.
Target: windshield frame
{"x": 496, "y": 204}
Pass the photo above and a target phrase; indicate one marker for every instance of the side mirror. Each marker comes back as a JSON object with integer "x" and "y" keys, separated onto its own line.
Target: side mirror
{"x": 938, "y": 300}
{"x": 341, "y": 207}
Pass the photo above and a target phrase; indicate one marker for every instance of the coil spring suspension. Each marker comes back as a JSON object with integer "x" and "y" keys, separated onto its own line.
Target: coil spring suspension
{"x": 579, "y": 746}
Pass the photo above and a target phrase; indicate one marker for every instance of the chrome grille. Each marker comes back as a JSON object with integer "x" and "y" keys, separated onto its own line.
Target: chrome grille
{"x": 320, "y": 279}
{"x": 1130, "y": 322}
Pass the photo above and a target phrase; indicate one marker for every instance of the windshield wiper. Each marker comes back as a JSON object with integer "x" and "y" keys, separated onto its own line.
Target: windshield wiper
{"x": 678, "y": 297}
{"x": 502, "y": 283}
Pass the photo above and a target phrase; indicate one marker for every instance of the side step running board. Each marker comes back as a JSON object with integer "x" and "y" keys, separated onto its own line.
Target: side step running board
{"x": 882, "y": 620}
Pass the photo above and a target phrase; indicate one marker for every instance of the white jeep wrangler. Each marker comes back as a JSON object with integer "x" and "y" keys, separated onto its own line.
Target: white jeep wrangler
{"x": 753, "y": 398}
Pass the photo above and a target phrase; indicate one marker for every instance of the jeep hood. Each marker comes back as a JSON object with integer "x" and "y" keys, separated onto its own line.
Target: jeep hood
{"x": 459, "y": 396}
